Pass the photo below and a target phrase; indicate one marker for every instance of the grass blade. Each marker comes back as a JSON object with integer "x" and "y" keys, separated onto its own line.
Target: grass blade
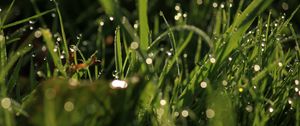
{"x": 50, "y": 44}
{"x": 144, "y": 28}
{"x": 26, "y": 19}
{"x": 118, "y": 52}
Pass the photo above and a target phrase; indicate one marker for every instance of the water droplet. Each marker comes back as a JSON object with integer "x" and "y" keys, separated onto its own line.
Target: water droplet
{"x": 177, "y": 7}
{"x": 33, "y": 55}
{"x": 215, "y": 5}
{"x": 210, "y": 113}
{"x": 6, "y": 103}
{"x": 249, "y": 108}
{"x": 134, "y": 45}
{"x": 176, "y": 114}
{"x": 212, "y": 60}
{"x": 44, "y": 48}
{"x": 256, "y": 67}
{"x": 29, "y": 45}
{"x": 296, "y": 89}
{"x": 280, "y": 64}
{"x": 222, "y": 5}
{"x": 0, "y": 9}
{"x": 290, "y": 101}
{"x": 224, "y": 82}
{"x": 184, "y": 15}
{"x": 271, "y": 109}
{"x": 230, "y": 59}
{"x": 62, "y": 56}
{"x": 111, "y": 18}
{"x": 37, "y": 34}
{"x": 58, "y": 39}
{"x": 163, "y": 102}
{"x": 285, "y": 6}
{"x": 185, "y": 55}
{"x": 149, "y": 61}
{"x": 31, "y": 22}
{"x": 297, "y": 82}
{"x": 53, "y": 15}
{"x": 31, "y": 27}
{"x": 185, "y": 113}
{"x": 69, "y": 106}
{"x": 199, "y": 2}
{"x": 119, "y": 84}
{"x": 230, "y": 5}
{"x": 203, "y": 84}
{"x": 241, "y": 89}
{"x": 101, "y": 23}
{"x": 169, "y": 53}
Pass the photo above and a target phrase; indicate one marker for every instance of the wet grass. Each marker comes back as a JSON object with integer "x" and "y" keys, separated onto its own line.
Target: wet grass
{"x": 243, "y": 69}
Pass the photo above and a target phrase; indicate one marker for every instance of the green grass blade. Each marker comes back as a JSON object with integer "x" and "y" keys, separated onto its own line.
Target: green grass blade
{"x": 63, "y": 34}
{"x": 144, "y": 27}
{"x": 7, "y": 13}
{"x": 118, "y": 52}
{"x": 26, "y": 19}
{"x": 50, "y": 44}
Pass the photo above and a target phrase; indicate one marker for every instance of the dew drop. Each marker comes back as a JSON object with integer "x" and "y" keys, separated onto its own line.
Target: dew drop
{"x": 256, "y": 67}
{"x": 185, "y": 113}
{"x": 222, "y": 5}
{"x": 290, "y": 101}
{"x": 296, "y": 89}
{"x": 6, "y": 103}
{"x": 62, "y": 56}
{"x": 58, "y": 39}
{"x": 271, "y": 109}
{"x": 212, "y": 60}
{"x": 37, "y": 34}
{"x": 203, "y": 84}
{"x": 118, "y": 84}
{"x": 285, "y": 6}
{"x": 101, "y": 23}
{"x": 225, "y": 83}
{"x": 44, "y": 48}
{"x": 111, "y": 18}
{"x": 210, "y": 113}
{"x": 69, "y": 106}
{"x": 297, "y": 82}
{"x": 53, "y": 15}
{"x": 230, "y": 59}
{"x": 176, "y": 114}
{"x": 163, "y": 102}
{"x": 134, "y": 45}
{"x": 149, "y": 61}
{"x": 169, "y": 53}
{"x": 249, "y": 108}
{"x": 199, "y": 2}
{"x": 280, "y": 64}
{"x": 241, "y": 89}
{"x": 177, "y": 7}
{"x": 215, "y": 5}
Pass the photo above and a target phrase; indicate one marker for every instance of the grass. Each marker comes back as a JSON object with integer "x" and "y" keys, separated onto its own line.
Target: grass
{"x": 241, "y": 69}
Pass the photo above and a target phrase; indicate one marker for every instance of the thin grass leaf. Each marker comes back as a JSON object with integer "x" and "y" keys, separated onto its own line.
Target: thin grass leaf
{"x": 6, "y": 15}
{"x": 118, "y": 53}
{"x": 50, "y": 45}
{"x": 64, "y": 39}
{"x": 144, "y": 27}
{"x": 27, "y": 19}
